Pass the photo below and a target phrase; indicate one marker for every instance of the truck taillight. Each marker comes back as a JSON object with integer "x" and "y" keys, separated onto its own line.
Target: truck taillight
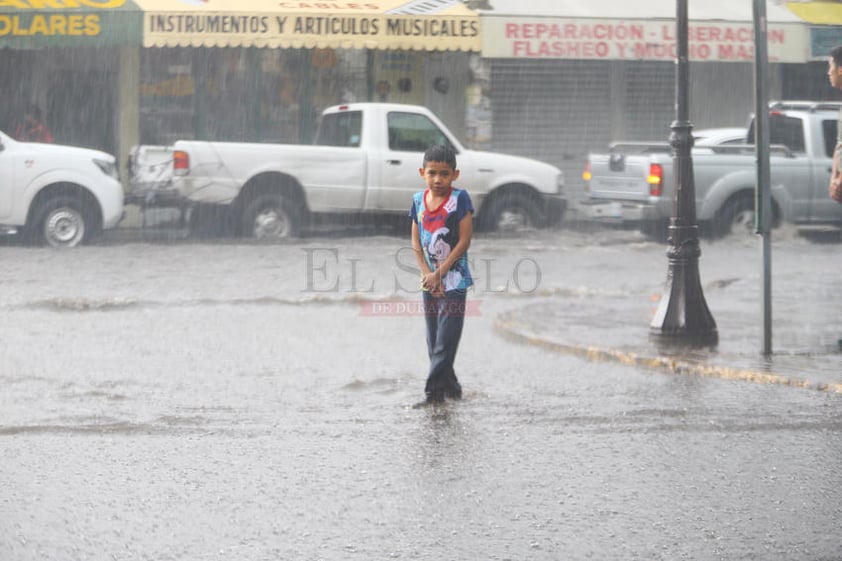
{"x": 656, "y": 180}
{"x": 586, "y": 174}
{"x": 180, "y": 162}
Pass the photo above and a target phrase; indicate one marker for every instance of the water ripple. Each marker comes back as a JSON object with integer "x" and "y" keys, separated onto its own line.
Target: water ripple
{"x": 120, "y": 304}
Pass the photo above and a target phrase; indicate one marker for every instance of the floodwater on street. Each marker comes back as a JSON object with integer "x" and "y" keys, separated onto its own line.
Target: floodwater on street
{"x": 221, "y": 399}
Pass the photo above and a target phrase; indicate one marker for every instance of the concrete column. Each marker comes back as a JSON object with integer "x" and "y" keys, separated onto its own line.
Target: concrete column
{"x": 128, "y": 103}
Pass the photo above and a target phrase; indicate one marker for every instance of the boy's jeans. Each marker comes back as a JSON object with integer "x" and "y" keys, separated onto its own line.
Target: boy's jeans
{"x": 445, "y": 317}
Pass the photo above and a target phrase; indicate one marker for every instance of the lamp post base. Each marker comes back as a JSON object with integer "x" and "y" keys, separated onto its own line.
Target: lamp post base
{"x": 683, "y": 317}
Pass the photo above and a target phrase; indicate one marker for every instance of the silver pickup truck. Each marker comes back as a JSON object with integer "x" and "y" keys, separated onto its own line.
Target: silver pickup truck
{"x": 633, "y": 182}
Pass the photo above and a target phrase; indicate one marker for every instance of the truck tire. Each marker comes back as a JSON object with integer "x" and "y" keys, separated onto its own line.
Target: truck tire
{"x": 512, "y": 211}
{"x": 736, "y": 217}
{"x": 271, "y": 216}
{"x": 60, "y": 221}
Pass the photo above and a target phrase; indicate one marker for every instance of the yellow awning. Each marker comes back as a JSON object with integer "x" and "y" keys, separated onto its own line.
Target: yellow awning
{"x": 430, "y": 25}
{"x": 823, "y": 13}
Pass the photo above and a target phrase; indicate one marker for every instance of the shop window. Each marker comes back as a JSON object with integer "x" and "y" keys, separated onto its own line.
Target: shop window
{"x": 167, "y": 89}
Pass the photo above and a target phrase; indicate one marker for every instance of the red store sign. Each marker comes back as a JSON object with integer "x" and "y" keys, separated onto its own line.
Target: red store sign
{"x": 636, "y": 40}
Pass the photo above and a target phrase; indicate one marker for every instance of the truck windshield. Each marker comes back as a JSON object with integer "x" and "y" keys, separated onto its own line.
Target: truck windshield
{"x": 340, "y": 129}
{"x": 410, "y": 132}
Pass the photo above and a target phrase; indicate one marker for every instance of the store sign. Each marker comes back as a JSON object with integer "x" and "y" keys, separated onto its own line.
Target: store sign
{"x": 605, "y": 39}
{"x": 824, "y": 12}
{"x": 57, "y": 24}
{"x": 37, "y": 23}
{"x": 388, "y": 24}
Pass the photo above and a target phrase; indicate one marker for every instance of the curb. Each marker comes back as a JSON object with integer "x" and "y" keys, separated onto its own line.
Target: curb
{"x": 509, "y": 330}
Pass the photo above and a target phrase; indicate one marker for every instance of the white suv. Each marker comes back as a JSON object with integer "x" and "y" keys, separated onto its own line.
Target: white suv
{"x": 57, "y": 195}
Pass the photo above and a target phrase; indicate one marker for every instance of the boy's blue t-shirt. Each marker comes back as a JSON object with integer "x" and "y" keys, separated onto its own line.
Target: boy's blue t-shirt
{"x": 439, "y": 232}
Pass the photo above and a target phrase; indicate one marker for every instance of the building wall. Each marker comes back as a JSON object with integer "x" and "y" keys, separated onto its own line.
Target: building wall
{"x": 559, "y": 110}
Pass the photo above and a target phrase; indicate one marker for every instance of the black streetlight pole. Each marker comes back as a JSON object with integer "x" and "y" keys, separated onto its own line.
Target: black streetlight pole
{"x": 683, "y": 316}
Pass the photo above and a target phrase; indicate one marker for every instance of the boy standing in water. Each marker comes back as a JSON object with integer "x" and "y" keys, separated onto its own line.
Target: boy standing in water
{"x": 441, "y": 233}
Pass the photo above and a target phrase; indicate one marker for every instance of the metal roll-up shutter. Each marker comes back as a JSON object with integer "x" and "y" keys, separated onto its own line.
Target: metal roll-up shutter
{"x": 551, "y": 110}
{"x": 649, "y": 106}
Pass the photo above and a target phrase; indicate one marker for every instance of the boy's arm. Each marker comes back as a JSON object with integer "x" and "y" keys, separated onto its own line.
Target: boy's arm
{"x": 429, "y": 279}
{"x": 419, "y": 252}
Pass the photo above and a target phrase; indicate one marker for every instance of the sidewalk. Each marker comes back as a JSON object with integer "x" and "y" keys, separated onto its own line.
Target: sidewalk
{"x": 617, "y": 329}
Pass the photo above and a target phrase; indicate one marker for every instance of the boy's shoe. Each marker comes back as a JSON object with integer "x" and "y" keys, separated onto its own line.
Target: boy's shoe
{"x": 433, "y": 398}
{"x": 454, "y": 391}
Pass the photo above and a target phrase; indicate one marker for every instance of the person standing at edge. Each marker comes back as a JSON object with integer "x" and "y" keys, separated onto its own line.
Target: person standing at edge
{"x": 442, "y": 226}
{"x": 33, "y": 129}
{"x": 834, "y": 74}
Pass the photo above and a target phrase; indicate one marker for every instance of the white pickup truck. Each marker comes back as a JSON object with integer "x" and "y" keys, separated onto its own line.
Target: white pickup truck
{"x": 633, "y": 183}
{"x": 365, "y": 161}
{"x": 57, "y": 195}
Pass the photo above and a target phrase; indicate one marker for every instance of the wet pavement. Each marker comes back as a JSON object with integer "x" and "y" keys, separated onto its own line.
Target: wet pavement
{"x": 194, "y": 400}
{"x": 806, "y": 328}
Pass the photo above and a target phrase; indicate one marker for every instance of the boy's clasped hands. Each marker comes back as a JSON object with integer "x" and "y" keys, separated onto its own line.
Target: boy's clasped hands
{"x": 431, "y": 282}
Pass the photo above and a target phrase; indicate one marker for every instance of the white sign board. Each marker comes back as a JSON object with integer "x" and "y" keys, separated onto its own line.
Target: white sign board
{"x": 607, "y": 39}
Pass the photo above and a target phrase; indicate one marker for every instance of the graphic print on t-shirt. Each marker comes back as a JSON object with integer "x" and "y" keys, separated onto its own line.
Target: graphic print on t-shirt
{"x": 439, "y": 233}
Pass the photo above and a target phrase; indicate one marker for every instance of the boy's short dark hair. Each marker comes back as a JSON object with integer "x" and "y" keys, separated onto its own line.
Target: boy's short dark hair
{"x": 440, "y": 153}
{"x": 836, "y": 55}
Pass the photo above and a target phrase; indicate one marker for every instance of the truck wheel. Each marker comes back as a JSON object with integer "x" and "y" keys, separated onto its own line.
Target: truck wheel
{"x": 736, "y": 217}
{"x": 271, "y": 217}
{"x": 60, "y": 222}
{"x": 509, "y": 212}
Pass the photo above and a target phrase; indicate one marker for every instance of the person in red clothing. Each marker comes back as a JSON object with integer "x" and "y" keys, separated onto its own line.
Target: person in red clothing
{"x": 33, "y": 129}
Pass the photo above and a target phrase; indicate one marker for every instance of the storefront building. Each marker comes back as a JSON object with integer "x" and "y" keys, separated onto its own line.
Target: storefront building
{"x": 114, "y": 73}
{"x": 560, "y": 78}
{"x": 549, "y": 79}
{"x": 264, "y": 72}
{"x": 76, "y": 60}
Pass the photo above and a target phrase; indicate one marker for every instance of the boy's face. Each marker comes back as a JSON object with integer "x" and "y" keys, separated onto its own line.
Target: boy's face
{"x": 439, "y": 176}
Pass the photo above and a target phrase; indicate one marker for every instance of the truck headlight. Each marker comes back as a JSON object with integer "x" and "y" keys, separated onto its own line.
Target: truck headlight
{"x": 109, "y": 168}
